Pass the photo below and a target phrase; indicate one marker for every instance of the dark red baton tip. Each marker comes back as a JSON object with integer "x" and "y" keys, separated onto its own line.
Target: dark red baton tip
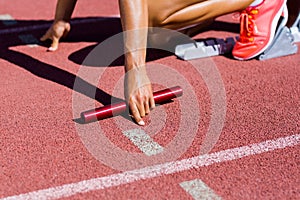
{"x": 120, "y": 107}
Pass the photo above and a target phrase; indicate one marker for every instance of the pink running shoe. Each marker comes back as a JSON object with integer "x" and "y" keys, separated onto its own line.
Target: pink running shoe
{"x": 257, "y": 28}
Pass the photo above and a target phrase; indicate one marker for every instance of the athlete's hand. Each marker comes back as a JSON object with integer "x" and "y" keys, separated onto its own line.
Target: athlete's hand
{"x": 58, "y": 30}
{"x": 138, "y": 94}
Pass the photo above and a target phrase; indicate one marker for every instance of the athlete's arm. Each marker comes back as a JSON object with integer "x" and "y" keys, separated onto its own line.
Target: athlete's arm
{"x": 61, "y": 25}
{"x": 138, "y": 91}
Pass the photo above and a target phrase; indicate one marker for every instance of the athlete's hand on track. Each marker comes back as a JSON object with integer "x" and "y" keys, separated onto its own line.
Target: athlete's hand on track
{"x": 58, "y": 30}
{"x": 138, "y": 94}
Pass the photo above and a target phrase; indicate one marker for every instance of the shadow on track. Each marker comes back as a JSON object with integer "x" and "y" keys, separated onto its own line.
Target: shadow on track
{"x": 90, "y": 29}
{"x": 79, "y": 33}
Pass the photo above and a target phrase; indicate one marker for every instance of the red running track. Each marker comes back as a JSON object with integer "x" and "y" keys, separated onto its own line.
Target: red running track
{"x": 245, "y": 115}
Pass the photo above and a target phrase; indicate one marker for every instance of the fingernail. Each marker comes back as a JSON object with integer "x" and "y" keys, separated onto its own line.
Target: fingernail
{"x": 141, "y": 123}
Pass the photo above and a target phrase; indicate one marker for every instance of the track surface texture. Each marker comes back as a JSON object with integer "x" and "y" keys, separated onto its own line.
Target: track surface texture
{"x": 234, "y": 134}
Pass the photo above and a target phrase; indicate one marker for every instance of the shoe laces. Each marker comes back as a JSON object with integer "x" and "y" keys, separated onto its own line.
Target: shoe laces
{"x": 247, "y": 24}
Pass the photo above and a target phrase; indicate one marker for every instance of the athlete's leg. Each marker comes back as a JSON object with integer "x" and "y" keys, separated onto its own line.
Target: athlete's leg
{"x": 294, "y": 10}
{"x": 182, "y": 14}
{"x": 178, "y": 14}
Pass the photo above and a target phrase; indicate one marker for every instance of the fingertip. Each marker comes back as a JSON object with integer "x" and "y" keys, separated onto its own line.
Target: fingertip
{"x": 141, "y": 123}
{"x": 45, "y": 37}
{"x": 135, "y": 115}
{"x": 51, "y": 49}
{"x": 152, "y": 105}
{"x": 54, "y": 44}
{"x": 42, "y": 38}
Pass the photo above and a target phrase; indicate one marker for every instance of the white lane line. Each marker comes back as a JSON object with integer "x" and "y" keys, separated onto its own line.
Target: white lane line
{"x": 199, "y": 190}
{"x": 46, "y": 25}
{"x": 29, "y": 40}
{"x": 158, "y": 170}
{"x": 8, "y": 20}
{"x": 143, "y": 141}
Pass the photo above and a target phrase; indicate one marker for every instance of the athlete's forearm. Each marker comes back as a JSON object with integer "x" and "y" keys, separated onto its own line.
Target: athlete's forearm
{"x": 64, "y": 9}
{"x": 134, "y": 17}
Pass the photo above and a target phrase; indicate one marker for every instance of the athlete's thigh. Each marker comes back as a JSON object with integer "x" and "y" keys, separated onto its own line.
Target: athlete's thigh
{"x": 160, "y": 10}
{"x": 177, "y": 14}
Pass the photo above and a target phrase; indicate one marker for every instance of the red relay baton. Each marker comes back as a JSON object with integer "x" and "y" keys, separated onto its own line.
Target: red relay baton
{"x": 120, "y": 107}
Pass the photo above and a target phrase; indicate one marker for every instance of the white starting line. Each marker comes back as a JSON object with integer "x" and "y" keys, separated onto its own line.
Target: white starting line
{"x": 143, "y": 141}
{"x": 94, "y": 184}
{"x": 8, "y": 20}
{"x": 27, "y": 39}
{"x": 199, "y": 190}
